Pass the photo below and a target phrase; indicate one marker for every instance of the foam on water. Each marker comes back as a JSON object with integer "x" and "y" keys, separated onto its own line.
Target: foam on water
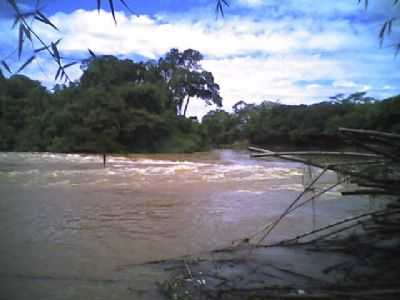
{"x": 79, "y": 170}
{"x": 250, "y": 192}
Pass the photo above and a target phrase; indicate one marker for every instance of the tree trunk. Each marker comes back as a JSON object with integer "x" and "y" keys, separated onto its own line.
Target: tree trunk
{"x": 186, "y": 106}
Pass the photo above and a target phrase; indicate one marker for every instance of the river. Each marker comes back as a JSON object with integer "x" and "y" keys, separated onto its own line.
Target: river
{"x": 66, "y": 216}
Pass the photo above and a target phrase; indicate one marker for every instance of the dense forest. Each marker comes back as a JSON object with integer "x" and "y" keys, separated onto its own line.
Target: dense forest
{"x": 123, "y": 106}
{"x": 272, "y": 123}
{"x": 116, "y": 106}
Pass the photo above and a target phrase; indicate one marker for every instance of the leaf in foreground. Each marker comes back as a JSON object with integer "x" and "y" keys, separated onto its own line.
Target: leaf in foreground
{"x": 26, "y": 63}
{"x": 5, "y": 65}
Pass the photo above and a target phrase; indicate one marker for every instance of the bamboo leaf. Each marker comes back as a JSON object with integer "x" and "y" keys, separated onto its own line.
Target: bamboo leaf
{"x": 55, "y": 52}
{"x": 365, "y": 3}
{"x": 27, "y": 33}
{"x": 20, "y": 40}
{"x": 382, "y": 32}
{"x": 46, "y": 47}
{"x": 92, "y": 53}
{"x": 126, "y": 6}
{"x": 14, "y": 5}
{"x": 26, "y": 63}
{"x": 219, "y": 9}
{"x": 16, "y": 20}
{"x": 225, "y": 2}
{"x": 40, "y": 49}
{"x": 20, "y": 16}
{"x": 112, "y": 10}
{"x": 62, "y": 74}
{"x": 69, "y": 65}
{"x": 42, "y": 18}
{"x": 58, "y": 73}
{"x": 397, "y": 50}
{"x": 5, "y": 65}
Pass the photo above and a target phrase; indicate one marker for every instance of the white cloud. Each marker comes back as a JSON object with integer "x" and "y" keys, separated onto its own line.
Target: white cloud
{"x": 251, "y": 3}
{"x": 344, "y": 84}
{"x": 348, "y": 85}
{"x": 271, "y": 78}
{"x": 151, "y": 37}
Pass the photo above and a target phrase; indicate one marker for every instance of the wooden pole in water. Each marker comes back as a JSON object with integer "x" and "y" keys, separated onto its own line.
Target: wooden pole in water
{"x": 104, "y": 160}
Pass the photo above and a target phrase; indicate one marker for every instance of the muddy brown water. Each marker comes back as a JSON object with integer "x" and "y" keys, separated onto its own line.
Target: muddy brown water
{"x": 65, "y": 216}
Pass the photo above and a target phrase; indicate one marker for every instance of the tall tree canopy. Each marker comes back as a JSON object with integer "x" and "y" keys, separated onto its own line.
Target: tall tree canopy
{"x": 186, "y": 79}
{"x": 116, "y": 106}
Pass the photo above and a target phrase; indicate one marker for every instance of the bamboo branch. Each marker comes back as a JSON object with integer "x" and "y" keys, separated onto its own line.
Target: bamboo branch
{"x": 359, "y": 143}
{"x": 288, "y": 157}
{"x": 324, "y": 153}
{"x": 334, "y": 232}
{"x": 346, "y": 220}
{"x": 289, "y": 208}
{"x": 370, "y": 132}
{"x": 352, "y": 174}
{"x": 370, "y": 192}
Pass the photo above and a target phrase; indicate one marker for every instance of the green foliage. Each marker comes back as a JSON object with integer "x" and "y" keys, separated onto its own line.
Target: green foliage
{"x": 117, "y": 106}
{"x": 185, "y": 78}
{"x": 272, "y": 123}
{"x": 21, "y": 103}
{"x": 123, "y": 106}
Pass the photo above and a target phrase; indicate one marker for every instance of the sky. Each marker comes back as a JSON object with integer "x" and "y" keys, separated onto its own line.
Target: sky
{"x": 292, "y": 51}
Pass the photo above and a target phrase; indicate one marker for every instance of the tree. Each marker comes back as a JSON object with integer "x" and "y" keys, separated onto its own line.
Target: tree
{"x": 116, "y": 106}
{"x": 107, "y": 70}
{"x": 186, "y": 79}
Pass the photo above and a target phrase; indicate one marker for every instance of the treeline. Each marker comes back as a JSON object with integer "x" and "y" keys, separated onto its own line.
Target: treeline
{"x": 124, "y": 106}
{"x": 271, "y": 123}
{"x": 116, "y": 106}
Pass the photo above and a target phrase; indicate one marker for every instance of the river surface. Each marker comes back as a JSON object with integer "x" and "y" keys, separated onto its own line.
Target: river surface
{"x": 66, "y": 216}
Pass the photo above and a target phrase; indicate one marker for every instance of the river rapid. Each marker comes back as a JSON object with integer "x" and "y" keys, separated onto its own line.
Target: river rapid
{"x": 66, "y": 216}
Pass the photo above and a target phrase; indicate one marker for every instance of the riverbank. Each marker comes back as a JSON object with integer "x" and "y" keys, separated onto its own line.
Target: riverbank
{"x": 316, "y": 271}
{"x": 358, "y": 265}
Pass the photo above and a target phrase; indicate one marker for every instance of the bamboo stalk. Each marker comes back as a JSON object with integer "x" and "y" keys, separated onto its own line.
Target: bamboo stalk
{"x": 289, "y": 208}
{"x": 288, "y": 157}
{"x": 359, "y": 143}
{"x": 334, "y": 232}
{"x": 370, "y": 132}
{"x": 369, "y": 192}
{"x": 318, "y": 194}
{"x": 332, "y": 167}
{"x": 346, "y": 220}
{"x": 324, "y": 153}
{"x": 359, "y": 163}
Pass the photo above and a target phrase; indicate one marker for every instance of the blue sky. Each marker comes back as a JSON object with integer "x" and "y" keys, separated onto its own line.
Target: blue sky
{"x": 295, "y": 51}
